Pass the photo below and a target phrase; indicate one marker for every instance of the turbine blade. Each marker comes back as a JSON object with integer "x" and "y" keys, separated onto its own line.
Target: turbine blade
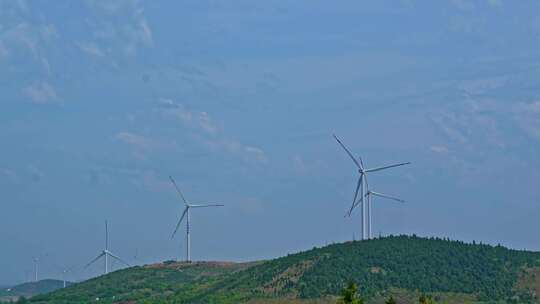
{"x": 119, "y": 259}
{"x": 207, "y": 205}
{"x": 94, "y": 260}
{"x": 388, "y": 197}
{"x": 349, "y": 153}
{"x": 356, "y": 194}
{"x": 106, "y": 235}
{"x": 178, "y": 190}
{"x": 179, "y": 222}
{"x": 386, "y": 167}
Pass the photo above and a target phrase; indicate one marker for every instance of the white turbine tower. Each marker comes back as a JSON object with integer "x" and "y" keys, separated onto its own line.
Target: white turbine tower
{"x": 186, "y": 214}
{"x": 362, "y": 184}
{"x": 64, "y": 275}
{"x": 369, "y": 196}
{"x": 36, "y": 262}
{"x": 106, "y": 253}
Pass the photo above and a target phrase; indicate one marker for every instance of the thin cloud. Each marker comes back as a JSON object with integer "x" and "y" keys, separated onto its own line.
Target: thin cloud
{"x": 41, "y": 93}
{"x": 196, "y": 120}
{"x": 132, "y": 139}
{"x": 91, "y": 49}
{"x": 439, "y": 149}
{"x": 208, "y": 133}
{"x": 527, "y": 116}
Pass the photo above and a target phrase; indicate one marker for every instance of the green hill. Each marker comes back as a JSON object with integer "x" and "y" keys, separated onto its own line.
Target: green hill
{"x": 403, "y": 266}
{"x": 30, "y": 289}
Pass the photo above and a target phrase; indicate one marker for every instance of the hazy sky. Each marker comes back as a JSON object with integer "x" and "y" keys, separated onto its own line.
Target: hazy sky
{"x": 103, "y": 100}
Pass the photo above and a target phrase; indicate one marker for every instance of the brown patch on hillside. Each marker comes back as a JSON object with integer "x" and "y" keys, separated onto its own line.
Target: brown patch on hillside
{"x": 291, "y": 275}
{"x": 209, "y": 265}
{"x": 529, "y": 282}
{"x": 377, "y": 270}
{"x": 328, "y": 300}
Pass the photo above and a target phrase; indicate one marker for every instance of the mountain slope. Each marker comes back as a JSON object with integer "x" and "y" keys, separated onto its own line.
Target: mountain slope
{"x": 31, "y": 288}
{"x": 404, "y": 263}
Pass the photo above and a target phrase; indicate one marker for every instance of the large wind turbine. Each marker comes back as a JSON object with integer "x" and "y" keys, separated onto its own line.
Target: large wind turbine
{"x": 106, "y": 253}
{"x": 369, "y": 196}
{"x": 186, "y": 214}
{"x": 362, "y": 184}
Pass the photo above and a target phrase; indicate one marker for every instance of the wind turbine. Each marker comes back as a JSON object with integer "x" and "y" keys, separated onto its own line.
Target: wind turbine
{"x": 186, "y": 214}
{"x": 36, "y": 260}
{"x": 106, "y": 253}
{"x": 64, "y": 271}
{"x": 362, "y": 184}
{"x": 64, "y": 275}
{"x": 369, "y": 196}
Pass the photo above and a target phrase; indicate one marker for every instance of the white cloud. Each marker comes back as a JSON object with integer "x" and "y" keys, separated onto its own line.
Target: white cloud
{"x": 145, "y": 32}
{"x": 439, "y": 149}
{"x": 527, "y": 116}
{"x": 134, "y": 32}
{"x": 132, "y": 139}
{"x": 205, "y": 123}
{"x": 208, "y": 133}
{"x": 247, "y": 153}
{"x": 41, "y": 93}
{"x": 91, "y": 49}
{"x": 256, "y": 153}
{"x": 196, "y": 120}
{"x": 27, "y": 36}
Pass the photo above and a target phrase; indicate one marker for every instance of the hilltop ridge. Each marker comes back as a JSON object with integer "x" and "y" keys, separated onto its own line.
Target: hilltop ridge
{"x": 404, "y": 264}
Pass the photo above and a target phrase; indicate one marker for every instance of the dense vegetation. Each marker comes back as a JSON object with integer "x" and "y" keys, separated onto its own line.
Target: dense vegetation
{"x": 31, "y": 289}
{"x": 393, "y": 263}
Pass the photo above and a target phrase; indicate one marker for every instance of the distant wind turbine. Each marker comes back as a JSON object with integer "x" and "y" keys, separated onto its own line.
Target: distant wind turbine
{"x": 106, "y": 253}
{"x": 186, "y": 215}
{"x": 64, "y": 275}
{"x": 36, "y": 260}
{"x": 362, "y": 184}
{"x": 369, "y": 196}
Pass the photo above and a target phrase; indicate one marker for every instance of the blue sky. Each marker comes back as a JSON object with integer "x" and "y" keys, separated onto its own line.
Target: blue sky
{"x": 103, "y": 100}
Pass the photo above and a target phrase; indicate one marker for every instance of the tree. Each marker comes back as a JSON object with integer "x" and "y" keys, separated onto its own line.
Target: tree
{"x": 349, "y": 295}
{"x": 22, "y": 300}
{"x": 426, "y": 300}
{"x": 391, "y": 300}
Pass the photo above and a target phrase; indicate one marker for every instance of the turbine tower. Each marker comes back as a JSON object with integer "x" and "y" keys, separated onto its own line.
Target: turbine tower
{"x": 369, "y": 196}
{"x": 64, "y": 275}
{"x": 106, "y": 253}
{"x": 362, "y": 184}
{"x": 36, "y": 262}
{"x": 186, "y": 215}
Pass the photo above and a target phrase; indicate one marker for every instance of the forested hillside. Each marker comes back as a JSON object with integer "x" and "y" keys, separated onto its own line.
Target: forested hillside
{"x": 31, "y": 289}
{"x": 403, "y": 263}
